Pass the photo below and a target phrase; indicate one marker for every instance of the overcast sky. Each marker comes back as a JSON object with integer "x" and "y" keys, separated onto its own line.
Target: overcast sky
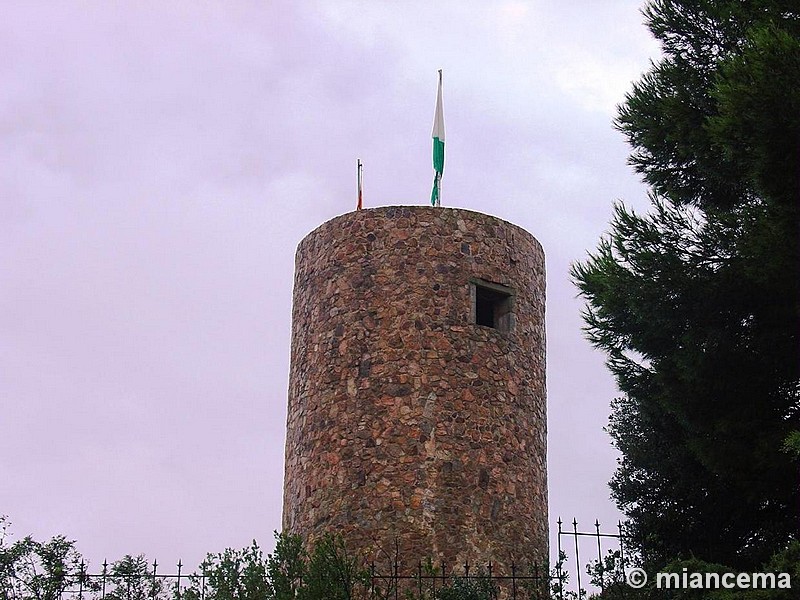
{"x": 159, "y": 163}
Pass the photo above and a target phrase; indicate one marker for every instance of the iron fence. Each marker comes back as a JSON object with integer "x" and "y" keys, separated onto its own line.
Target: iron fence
{"x": 427, "y": 582}
{"x": 606, "y": 571}
{"x": 562, "y": 579}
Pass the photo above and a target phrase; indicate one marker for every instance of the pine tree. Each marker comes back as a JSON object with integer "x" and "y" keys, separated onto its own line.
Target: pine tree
{"x": 697, "y": 303}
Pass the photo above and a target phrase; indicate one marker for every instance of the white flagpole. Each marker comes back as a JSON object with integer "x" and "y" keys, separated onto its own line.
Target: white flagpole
{"x": 358, "y": 178}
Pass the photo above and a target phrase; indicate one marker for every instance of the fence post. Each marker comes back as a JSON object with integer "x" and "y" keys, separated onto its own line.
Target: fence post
{"x": 80, "y": 580}
{"x": 621, "y": 559}
{"x": 154, "y": 587}
{"x": 559, "y": 570}
{"x": 179, "y": 579}
{"x": 577, "y": 557}
{"x": 513, "y": 581}
{"x": 600, "y": 566}
{"x": 396, "y": 578}
{"x": 105, "y": 571}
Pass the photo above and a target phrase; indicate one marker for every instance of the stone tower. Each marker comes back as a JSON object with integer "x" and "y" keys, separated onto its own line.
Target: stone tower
{"x": 417, "y": 409}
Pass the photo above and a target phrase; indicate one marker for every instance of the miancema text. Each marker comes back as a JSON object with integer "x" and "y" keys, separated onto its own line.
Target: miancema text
{"x": 710, "y": 581}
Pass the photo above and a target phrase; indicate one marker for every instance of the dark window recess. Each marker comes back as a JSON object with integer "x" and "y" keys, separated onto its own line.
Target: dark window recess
{"x": 493, "y": 305}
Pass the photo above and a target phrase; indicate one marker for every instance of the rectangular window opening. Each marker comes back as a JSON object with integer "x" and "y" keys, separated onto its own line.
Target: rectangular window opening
{"x": 492, "y": 305}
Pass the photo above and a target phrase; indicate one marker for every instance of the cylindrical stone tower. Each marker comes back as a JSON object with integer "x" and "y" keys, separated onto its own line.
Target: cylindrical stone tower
{"x": 417, "y": 410}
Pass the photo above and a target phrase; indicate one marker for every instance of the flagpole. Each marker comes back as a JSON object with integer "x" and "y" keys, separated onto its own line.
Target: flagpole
{"x": 439, "y": 176}
{"x": 438, "y": 146}
{"x": 359, "y": 167}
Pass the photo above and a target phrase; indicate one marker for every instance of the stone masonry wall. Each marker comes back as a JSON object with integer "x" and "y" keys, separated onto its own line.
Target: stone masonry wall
{"x": 407, "y": 423}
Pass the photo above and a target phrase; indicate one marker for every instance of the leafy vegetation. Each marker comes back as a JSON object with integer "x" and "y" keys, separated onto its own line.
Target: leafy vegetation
{"x": 31, "y": 570}
{"x": 697, "y": 303}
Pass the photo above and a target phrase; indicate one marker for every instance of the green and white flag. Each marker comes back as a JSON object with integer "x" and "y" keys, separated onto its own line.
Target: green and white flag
{"x": 438, "y": 147}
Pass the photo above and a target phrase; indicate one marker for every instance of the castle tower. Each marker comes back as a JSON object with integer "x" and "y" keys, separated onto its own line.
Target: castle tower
{"x": 417, "y": 410}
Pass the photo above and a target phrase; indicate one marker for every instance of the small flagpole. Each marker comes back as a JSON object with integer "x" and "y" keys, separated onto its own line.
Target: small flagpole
{"x": 359, "y": 167}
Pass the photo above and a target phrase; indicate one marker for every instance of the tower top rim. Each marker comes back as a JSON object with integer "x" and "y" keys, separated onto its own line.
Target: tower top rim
{"x": 406, "y": 210}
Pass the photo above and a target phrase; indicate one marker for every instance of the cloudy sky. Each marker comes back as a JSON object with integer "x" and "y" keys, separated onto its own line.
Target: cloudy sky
{"x": 159, "y": 163}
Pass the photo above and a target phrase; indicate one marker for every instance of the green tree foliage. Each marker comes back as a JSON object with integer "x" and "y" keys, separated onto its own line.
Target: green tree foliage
{"x": 286, "y": 567}
{"x": 131, "y": 578}
{"x": 231, "y": 575}
{"x": 696, "y": 302}
{"x": 329, "y": 572}
{"x": 334, "y": 573}
{"x": 31, "y": 570}
{"x": 474, "y": 588}
{"x": 785, "y": 562}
